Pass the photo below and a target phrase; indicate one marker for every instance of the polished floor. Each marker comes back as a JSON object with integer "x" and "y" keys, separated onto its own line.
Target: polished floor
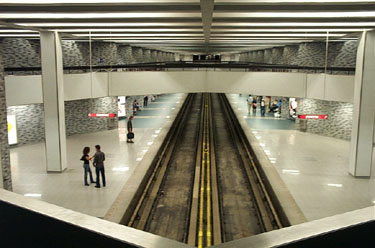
{"x": 313, "y": 167}
{"x": 67, "y": 189}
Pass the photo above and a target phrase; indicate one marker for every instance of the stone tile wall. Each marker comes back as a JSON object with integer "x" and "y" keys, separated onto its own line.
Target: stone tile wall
{"x": 30, "y": 118}
{"x": 26, "y": 53}
{"x": 340, "y": 54}
{"x": 339, "y": 122}
{"x": 4, "y": 147}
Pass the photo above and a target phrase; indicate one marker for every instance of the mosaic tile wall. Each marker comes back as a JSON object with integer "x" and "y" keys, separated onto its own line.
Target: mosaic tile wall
{"x": 26, "y": 53}
{"x": 340, "y": 54}
{"x": 30, "y": 122}
{"x": 30, "y": 118}
{"x": 339, "y": 122}
{"x": 4, "y": 147}
{"x": 76, "y": 115}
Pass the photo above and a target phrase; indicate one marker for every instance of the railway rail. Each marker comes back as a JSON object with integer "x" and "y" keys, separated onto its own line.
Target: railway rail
{"x": 205, "y": 187}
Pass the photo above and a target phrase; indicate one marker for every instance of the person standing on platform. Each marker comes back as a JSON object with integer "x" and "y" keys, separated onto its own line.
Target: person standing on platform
{"x": 249, "y": 103}
{"x": 99, "y": 158}
{"x": 130, "y": 134}
{"x": 262, "y": 107}
{"x": 145, "y": 101}
{"x": 255, "y": 106}
{"x": 86, "y": 165}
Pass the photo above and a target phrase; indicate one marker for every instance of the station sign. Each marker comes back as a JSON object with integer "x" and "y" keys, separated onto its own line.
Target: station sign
{"x": 322, "y": 117}
{"x": 111, "y": 115}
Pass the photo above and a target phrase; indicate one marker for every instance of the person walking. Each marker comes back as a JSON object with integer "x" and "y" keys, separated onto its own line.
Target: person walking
{"x": 99, "y": 158}
{"x": 130, "y": 134}
{"x": 262, "y": 107}
{"x": 249, "y": 103}
{"x": 86, "y": 165}
{"x": 145, "y": 101}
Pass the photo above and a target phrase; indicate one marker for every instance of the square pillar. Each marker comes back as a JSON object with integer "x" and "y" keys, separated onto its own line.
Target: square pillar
{"x": 53, "y": 99}
{"x": 361, "y": 146}
{"x": 5, "y": 173}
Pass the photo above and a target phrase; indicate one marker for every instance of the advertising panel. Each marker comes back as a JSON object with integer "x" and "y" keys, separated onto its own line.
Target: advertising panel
{"x": 12, "y": 129}
{"x": 121, "y": 108}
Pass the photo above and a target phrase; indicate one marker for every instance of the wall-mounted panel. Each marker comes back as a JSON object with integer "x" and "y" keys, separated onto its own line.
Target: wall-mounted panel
{"x": 99, "y": 84}
{"x": 315, "y": 86}
{"x": 22, "y": 90}
{"x": 257, "y": 83}
{"x": 339, "y": 88}
{"x": 141, "y": 83}
{"x": 77, "y": 86}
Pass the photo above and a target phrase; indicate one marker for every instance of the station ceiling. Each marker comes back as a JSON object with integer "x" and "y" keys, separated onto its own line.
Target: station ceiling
{"x": 190, "y": 26}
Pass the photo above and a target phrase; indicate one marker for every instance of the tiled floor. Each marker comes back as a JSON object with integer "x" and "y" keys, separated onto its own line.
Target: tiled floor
{"x": 67, "y": 189}
{"x": 314, "y": 167}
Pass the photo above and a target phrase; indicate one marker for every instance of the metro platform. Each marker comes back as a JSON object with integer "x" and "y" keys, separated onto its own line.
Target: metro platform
{"x": 313, "y": 167}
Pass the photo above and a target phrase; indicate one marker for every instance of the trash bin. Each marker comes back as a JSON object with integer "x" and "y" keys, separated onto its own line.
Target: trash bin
{"x": 303, "y": 125}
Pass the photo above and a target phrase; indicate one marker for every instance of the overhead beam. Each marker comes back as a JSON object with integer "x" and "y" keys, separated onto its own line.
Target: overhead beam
{"x": 207, "y": 9}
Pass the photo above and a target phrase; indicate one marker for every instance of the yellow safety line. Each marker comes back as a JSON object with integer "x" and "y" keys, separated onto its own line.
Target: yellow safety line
{"x": 208, "y": 187}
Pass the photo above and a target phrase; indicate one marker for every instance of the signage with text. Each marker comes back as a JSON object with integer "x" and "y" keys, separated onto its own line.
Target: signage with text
{"x": 324, "y": 117}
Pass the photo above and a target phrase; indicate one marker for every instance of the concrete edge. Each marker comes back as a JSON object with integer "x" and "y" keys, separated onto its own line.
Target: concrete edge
{"x": 101, "y": 227}
{"x": 303, "y": 231}
{"x": 120, "y": 209}
{"x": 284, "y": 202}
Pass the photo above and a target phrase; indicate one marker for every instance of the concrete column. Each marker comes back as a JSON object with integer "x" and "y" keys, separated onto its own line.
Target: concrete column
{"x": 5, "y": 174}
{"x": 364, "y": 108}
{"x": 53, "y": 98}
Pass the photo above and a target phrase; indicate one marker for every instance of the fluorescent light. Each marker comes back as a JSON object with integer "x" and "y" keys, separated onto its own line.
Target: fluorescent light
{"x": 138, "y": 159}
{"x": 33, "y": 195}
{"x": 258, "y": 137}
{"x": 254, "y": 132}
{"x": 149, "y": 143}
{"x": 267, "y": 152}
{"x": 335, "y": 185}
{"x": 295, "y": 24}
{"x": 17, "y": 31}
{"x": 98, "y": 15}
{"x": 262, "y": 145}
{"x": 216, "y": 36}
{"x": 173, "y": 108}
{"x": 136, "y": 35}
{"x": 277, "y": 30}
{"x": 154, "y": 135}
{"x": 122, "y": 169}
{"x": 19, "y": 35}
{"x": 101, "y": 24}
{"x": 157, "y": 131}
{"x": 316, "y": 14}
{"x": 167, "y": 117}
{"x": 245, "y": 117}
{"x": 115, "y": 30}
{"x": 272, "y": 159}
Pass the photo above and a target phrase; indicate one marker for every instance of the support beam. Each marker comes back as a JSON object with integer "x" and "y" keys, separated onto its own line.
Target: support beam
{"x": 207, "y": 9}
{"x": 5, "y": 173}
{"x": 364, "y": 108}
{"x": 53, "y": 98}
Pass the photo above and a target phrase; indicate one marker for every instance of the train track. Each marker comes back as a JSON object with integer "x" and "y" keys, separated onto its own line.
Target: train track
{"x": 205, "y": 188}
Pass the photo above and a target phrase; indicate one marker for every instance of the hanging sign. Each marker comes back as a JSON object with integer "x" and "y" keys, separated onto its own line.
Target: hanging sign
{"x": 12, "y": 129}
{"x": 102, "y": 115}
{"x": 324, "y": 117}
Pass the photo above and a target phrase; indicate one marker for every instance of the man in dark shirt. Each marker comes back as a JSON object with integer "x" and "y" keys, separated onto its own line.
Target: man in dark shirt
{"x": 99, "y": 158}
{"x": 130, "y": 134}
